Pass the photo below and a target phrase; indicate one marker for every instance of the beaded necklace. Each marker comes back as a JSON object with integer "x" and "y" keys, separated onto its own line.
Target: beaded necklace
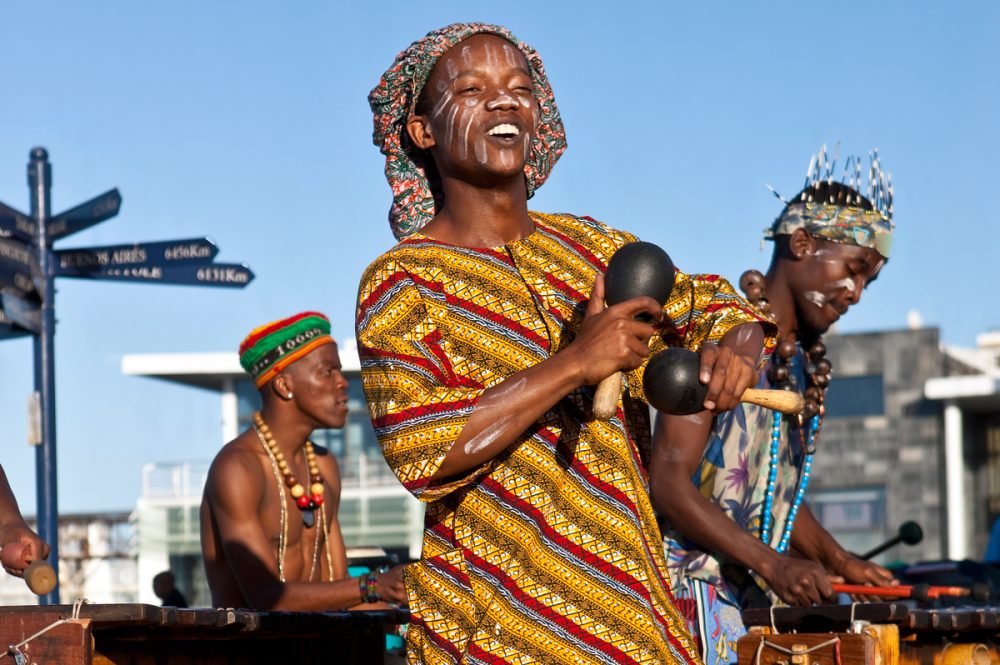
{"x": 809, "y": 423}
{"x": 307, "y": 503}
{"x": 273, "y": 453}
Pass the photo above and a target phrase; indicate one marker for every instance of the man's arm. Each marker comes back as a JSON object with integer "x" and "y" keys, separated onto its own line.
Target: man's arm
{"x": 678, "y": 446}
{"x": 234, "y": 492}
{"x": 13, "y": 528}
{"x": 609, "y": 340}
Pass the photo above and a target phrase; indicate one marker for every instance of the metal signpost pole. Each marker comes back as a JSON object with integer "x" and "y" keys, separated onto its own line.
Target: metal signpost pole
{"x": 40, "y": 184}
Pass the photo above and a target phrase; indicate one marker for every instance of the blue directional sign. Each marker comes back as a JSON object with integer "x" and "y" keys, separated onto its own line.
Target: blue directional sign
{"x": 14, "y": 223}
{"x": 9, "y": 329}
{"x": 22, "y": 311}
{"x": 84, "y": 260}
{"x": 236, "y": 275}
{"x": 85, "y": 215}
{"x": 28, "y": 268}
{"x": 18, "y": 267}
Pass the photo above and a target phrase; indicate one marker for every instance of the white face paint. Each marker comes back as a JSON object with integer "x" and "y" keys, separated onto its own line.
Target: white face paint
{"x": 449, "y": 127}
{"x": 452, "y": 69}
{"x": 510, "y": 54}
{"x": 466, "y": 55}
{"x": 466, "y": 126}
{"x": 491, "y": 56}
{"x": 815, "y": 297}
{"x": 845, "y": 283}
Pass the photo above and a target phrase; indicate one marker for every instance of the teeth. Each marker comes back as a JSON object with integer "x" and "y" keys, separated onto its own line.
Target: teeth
{"x": 504, "y": 130}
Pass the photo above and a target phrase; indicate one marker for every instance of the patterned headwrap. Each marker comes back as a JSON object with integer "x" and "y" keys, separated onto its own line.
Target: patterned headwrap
{"x": 842, "y": 218}
{"x": 270, "y": 348}
{"x": 393, "y": 100}
{"x": 841, "y": 224}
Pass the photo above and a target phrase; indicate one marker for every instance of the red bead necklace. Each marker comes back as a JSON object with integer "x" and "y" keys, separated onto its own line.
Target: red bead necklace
{"x": 307, "y": 503}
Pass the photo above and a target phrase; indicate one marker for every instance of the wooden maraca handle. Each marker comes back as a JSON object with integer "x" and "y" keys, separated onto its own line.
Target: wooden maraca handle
{"x": 40, "y": 577}
{"x": 609, "y": 391}
{"x": 786, "y": 401}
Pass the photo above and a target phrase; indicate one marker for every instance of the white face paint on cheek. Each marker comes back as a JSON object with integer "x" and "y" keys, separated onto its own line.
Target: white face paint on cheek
{"x": 466, "y": 126}
{"x": 449, "y": 127}
{"x": 815, "y": 297}
{"x": 439, "y": 107}
{"x": 481, "y": 149}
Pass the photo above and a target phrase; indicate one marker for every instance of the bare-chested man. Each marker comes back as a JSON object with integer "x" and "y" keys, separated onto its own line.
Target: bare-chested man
{"x": 269, "y": 530}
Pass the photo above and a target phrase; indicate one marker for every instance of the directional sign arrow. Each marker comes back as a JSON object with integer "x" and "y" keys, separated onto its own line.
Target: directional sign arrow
{"x": 25, "y": 312}
{"x": 193, "y": 274}
{"x": 17, "y": 266}
{"x": 85, "y": 215}
{"x": 9, "y": 329}
{"x": 15, "y": 223}
{"x": 84, "y": 260}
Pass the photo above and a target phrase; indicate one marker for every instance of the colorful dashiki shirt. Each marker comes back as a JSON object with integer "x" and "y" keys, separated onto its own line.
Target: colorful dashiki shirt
{"x": 550, "y": 552}
{"x": 732, "y": 474}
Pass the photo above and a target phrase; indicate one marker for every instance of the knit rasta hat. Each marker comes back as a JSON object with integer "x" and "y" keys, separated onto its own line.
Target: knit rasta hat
{"x": 272, "y": 347}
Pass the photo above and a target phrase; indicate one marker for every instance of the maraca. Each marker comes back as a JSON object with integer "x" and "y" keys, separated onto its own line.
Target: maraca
{"x": 636, "y": 269}
{"x": 672, "y": 386}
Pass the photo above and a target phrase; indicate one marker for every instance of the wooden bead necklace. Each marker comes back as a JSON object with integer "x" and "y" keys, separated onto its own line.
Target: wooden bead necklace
{"x": 817, "y": 370}
{"x": 307, "y": 503}
{"x": 267, "y": 442}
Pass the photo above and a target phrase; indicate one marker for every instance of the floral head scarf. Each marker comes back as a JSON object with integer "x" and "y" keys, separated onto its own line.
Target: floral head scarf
{"x": 394, "y": 98}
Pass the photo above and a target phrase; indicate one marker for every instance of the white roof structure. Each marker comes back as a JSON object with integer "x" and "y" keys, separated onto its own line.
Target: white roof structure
{"x": 212, "y": 371}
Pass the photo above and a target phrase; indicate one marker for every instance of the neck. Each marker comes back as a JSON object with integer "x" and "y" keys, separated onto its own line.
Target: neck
{"x": 782, "y": 303}
{"x": 475, "y": 216}
{"x": 290, "y": 433}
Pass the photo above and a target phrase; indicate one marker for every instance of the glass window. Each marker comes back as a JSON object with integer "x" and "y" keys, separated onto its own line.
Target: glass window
{"x": 855, "y": 397}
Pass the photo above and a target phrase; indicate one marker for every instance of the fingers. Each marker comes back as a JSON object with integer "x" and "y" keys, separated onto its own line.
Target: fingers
{"x": 641, "y": 307}
{"x": 727, "y": 375}
{"x": 596, "y": 303}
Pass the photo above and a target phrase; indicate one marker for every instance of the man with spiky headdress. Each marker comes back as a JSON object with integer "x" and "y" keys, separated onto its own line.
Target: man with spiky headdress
{"x": 729, "y": 533}
{"x": 481, "y": 334}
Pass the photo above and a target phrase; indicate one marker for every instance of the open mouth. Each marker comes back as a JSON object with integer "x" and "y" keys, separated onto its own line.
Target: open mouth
{"x": 505, "y": 131}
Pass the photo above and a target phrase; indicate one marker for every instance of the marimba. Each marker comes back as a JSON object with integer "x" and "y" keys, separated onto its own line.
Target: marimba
{"x": 870, "y": 634}
{"x": 92, "y": 634}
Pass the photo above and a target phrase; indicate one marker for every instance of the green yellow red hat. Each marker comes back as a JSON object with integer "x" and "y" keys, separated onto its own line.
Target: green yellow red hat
{"x": 272, "y": 347}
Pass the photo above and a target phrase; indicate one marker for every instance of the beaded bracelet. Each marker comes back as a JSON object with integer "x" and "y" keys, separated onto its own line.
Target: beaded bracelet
{"x": 369, "y": 587}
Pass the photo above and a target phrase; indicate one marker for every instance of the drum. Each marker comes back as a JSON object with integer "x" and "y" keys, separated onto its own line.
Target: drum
{"x": 870, "y": 634}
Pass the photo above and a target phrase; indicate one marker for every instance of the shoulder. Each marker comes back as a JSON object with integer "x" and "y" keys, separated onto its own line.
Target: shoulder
{"x": 584, "y": 230}
{"x": 236, "y": 465}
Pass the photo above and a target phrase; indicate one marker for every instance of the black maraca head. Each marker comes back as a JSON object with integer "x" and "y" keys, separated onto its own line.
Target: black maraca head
{"x": 671, "y": 382}
{"x": 639, "y": 269}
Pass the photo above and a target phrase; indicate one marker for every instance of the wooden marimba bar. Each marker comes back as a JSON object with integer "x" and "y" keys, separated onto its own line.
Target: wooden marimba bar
{"x": 871, "y": 634}
{"x": 134, "y": 634}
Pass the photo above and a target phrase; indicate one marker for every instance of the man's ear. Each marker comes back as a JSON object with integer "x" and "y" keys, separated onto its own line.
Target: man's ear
{"x": 801, "y": 244}
{"x": 282, "y": 387}
{"x": 419, "y": 129}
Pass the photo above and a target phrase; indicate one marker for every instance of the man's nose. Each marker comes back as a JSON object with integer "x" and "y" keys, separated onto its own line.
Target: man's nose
{"x": 502, "y": 101}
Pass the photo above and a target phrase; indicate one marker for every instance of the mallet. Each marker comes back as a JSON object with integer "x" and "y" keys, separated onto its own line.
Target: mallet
{"x": 909, "y": 532}
{"x": 672, "y": 386}
{"x": 978, "y": 592}
{"x": 38, "y": 574}
{"x": 636, "y": 269}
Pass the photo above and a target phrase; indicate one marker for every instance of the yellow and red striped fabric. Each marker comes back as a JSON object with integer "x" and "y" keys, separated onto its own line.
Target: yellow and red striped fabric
{"x": 549, "y": 553}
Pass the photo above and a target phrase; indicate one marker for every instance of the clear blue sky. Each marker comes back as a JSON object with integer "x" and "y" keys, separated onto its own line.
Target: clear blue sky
{"x": 248, "y": 122}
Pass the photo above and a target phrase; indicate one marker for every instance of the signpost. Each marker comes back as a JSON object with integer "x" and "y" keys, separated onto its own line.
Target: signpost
{"x": 28, "y": 268}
